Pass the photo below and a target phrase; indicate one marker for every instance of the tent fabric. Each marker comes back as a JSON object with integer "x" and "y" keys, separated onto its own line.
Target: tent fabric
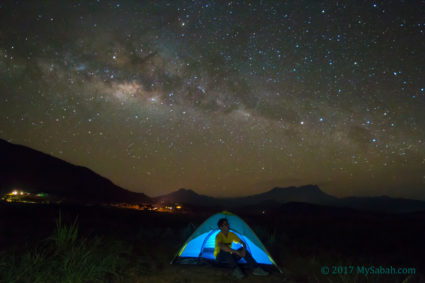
{"x": 200, "y": 245}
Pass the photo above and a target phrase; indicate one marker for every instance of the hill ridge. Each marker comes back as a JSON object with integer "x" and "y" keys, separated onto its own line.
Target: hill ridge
{"x": 36, "y": 171}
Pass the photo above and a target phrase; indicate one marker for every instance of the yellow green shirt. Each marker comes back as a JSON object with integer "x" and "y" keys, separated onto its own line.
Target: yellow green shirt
{"x": 220, "y": 238}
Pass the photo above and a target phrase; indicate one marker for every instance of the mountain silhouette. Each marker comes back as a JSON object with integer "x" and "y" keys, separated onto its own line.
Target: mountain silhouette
{"x": 188, "y": 197}
{"x": 33, "y": 171}
{"x": 310, "y": 195}
{"x": 383, "y": 204}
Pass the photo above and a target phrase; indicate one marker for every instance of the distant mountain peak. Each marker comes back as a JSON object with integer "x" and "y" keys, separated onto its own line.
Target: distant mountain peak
{"x": 305, "y": 187}
{"x": 311, "y": 190}
{"x": 185, "y": 191}
{"x": 277, "y": 189}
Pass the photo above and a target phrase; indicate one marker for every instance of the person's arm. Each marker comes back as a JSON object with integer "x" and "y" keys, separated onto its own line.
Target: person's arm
{"x": 242, "y": 252}
{"x": 221, "y": 245}
{"x": 225, "y": 248}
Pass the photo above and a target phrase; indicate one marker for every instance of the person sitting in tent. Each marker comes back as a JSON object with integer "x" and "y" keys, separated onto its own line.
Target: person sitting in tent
{"x": 224, "y": 253}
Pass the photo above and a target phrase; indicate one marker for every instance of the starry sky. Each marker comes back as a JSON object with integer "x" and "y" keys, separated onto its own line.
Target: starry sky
{"x": 227, "y": 98}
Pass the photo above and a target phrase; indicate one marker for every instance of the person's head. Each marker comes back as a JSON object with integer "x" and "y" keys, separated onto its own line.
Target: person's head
{"x": 223, "y": 224}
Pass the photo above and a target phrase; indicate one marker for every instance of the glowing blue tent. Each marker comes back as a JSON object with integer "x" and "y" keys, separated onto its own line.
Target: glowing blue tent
{"x": 200, "y": 245}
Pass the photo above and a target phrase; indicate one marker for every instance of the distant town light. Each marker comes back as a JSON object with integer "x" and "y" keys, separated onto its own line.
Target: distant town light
{"x": 16, "y": 192}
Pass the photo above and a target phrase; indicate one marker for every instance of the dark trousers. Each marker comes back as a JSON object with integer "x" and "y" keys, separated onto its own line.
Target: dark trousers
{"x": 232, "y": 259}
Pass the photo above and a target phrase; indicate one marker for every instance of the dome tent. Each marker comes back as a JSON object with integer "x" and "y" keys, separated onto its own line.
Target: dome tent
{"x": 199, "y": 247}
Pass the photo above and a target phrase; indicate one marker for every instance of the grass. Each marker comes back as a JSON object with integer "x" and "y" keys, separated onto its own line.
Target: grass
{"x": 65, "y": 257}
{"x": 64, "y": 236}
{"x": 109, "y": 245}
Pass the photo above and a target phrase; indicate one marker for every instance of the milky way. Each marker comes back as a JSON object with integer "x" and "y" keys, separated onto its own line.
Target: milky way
{"x": 227, "y": 98}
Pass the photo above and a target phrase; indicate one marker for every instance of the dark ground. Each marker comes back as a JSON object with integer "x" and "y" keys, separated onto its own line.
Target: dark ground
{"x": 301, "y": 240}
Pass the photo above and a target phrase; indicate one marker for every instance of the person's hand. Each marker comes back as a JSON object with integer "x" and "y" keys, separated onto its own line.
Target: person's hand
{"x": 240, "y": 253}
{"x": 237, "y": 252}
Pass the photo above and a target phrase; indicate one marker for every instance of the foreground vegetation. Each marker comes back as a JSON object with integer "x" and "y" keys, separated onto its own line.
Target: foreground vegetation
{"x": 65, "y": 257}
{"x": 70, "y": 244}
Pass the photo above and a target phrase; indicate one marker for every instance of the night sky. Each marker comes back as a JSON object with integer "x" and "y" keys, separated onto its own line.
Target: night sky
{"x": 227, "y": 98}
